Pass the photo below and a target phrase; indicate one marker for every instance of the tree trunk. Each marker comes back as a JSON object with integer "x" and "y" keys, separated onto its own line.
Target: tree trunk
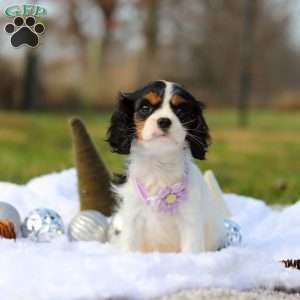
{"x": 151, "y": 28}
{"x": 108, "y": 8}
{"x": 149, "y": 61}
{"x": 106, "y": 40}
{"x": 30, "y": 81}
{"x": 247, "y": 54}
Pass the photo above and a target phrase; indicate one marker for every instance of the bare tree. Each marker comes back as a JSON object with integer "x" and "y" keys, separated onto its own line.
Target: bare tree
{"x": 148, "y": 67}
{"x": 151, "y": 27}
{"x": 247, "y": 54}
{"x": 30, "y": 81}
{"x": 7, "y": 93}
{"x": 108, "y": 8}
{"x": 75, "y": 29}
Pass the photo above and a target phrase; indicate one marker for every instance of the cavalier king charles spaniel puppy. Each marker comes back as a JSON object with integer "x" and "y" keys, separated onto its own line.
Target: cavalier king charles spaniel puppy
{"x": 164, "y": 203}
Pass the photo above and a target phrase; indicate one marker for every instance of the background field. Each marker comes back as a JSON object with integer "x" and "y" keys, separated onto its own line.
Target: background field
{"x": 238, "y": 57}
{"x": 261, "y": 160}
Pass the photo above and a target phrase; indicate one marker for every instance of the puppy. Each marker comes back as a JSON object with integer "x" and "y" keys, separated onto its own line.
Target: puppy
{"x": 164, "y": 203}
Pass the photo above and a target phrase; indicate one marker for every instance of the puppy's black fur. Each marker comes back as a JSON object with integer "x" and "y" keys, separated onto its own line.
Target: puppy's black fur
{"x": 191, "y": 116}
{"x": 122, "y": 129}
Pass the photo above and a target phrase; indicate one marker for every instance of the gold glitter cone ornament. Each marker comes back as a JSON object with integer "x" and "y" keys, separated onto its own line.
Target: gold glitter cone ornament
{"x": 93, "y": 176}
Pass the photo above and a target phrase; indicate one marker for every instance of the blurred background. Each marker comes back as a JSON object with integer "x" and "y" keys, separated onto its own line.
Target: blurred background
{"x": 240, "y": 57}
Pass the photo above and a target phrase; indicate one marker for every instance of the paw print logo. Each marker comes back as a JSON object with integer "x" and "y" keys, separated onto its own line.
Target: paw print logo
{"x": 24, "y": 32}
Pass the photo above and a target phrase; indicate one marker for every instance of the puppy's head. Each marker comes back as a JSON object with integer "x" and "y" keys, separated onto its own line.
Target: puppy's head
{"x": 160, "y": 116}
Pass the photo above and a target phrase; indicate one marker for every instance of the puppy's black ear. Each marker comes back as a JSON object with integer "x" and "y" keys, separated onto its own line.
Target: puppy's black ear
{"x": 198, "y": 136}
{"x": 121, "y": 130}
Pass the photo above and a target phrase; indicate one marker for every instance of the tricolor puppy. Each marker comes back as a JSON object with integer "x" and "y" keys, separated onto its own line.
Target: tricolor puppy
{"x": 164, "y": 202}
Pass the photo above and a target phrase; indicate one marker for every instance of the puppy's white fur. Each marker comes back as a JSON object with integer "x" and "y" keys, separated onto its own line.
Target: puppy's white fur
{"x": 158, "y": 161}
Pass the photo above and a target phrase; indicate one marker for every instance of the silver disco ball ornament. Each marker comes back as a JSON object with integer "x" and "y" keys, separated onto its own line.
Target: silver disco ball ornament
{"x": 42, "y": 225}
{"x": 8, "y": 212}
{"x": 88, "y": 225}
{"x": 233, "y": 235}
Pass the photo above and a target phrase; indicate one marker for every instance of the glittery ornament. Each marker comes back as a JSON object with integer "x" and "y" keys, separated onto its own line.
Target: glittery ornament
{"x": 42, "y": 225}
{"x": 88, "y": 225}
{"x": 7, "y": 229}
{"x": 9, "y": 213}
{"x": 233, "y": 235}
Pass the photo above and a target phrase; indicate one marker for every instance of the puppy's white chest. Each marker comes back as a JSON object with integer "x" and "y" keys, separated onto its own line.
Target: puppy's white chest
{"x": 160, "y": 232}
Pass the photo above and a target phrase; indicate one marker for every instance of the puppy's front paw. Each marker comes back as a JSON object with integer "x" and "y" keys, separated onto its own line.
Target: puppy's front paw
{"x": 192, "y": 247}
{"x": 192, "y": 240}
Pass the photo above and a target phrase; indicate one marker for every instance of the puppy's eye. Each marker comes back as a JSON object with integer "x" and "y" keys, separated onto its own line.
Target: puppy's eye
{"x": 145, "y": 109}
{"x": 179, "y": 111}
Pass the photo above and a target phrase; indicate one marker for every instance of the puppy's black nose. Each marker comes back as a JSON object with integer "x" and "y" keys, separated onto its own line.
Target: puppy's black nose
{"x": 164, "y": 123}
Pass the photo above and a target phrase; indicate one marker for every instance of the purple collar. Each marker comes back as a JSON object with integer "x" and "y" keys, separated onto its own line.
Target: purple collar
{"x": 167, "y": 199}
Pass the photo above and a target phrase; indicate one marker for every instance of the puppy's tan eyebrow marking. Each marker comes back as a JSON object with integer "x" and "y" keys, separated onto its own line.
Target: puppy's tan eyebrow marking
{"x": 176, "y": 100}
{"x": 152, "y": 97}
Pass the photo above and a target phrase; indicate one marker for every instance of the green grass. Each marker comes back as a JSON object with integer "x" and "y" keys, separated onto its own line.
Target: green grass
{"x": 252, "y": 161}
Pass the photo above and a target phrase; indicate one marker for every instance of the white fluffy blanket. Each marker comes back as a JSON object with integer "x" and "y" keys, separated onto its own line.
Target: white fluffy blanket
{"x": 89, "y": 270}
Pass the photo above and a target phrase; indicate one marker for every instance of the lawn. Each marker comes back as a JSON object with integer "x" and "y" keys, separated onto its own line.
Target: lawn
{"x": 261, "y": 161}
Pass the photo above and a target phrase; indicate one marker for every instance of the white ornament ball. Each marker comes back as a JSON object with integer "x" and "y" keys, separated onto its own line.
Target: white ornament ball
{"x": 8, "y": 212}
{"x": 42, "y": 225}
{"x": 88, "y": 225}
{"x": 233, "y": 235}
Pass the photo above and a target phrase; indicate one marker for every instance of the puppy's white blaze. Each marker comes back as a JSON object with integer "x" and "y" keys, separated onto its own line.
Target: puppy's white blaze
{"x": 165, "y": 110}
{"x": 168, "y": 91}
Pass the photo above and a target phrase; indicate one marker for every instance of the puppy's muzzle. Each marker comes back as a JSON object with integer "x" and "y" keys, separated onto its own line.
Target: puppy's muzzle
{"x": 164, "y": 123}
